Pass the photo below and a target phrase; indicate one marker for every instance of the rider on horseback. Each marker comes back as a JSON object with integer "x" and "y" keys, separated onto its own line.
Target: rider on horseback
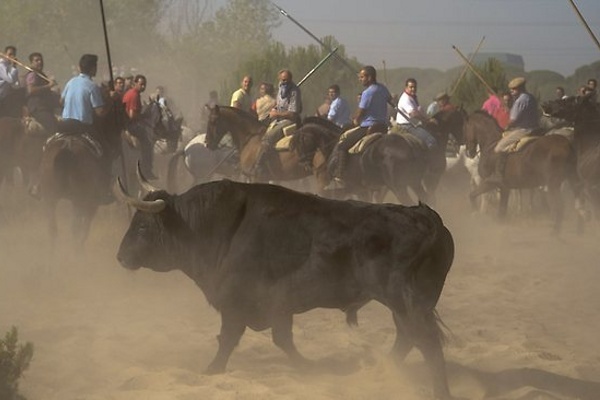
{"x": 82, "y": 100}
{"x": 524, "y": 120}
{"x": 409, "y": 105}
{"x": 370, "y": 117}
{"x": 286, "y": 112}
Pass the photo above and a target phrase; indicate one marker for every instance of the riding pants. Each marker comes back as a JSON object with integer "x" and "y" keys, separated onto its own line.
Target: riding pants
{"x": 421, "y": 133}
{"x": 140, "y": 131}
{"x": 510, "y": 138}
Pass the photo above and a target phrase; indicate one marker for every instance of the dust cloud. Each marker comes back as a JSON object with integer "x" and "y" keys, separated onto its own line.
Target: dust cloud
{"x": 522, "y": 307}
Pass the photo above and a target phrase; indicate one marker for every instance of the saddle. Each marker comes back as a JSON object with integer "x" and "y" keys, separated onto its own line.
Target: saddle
{"x": 519, "y": 145}
{"x": 363, "y": 143}
{"x": 89, "y": 142}
{"x": 33, "y": 127}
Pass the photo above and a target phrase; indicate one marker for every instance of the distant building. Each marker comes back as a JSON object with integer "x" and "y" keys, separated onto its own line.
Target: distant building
{"x": 513, "y": 60}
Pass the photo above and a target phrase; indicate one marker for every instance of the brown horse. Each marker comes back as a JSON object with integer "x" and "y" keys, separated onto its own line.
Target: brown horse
{"x": 287, "y": 165}
{"x": 19, "y": 148}
{"x": 584, "y": 112}
{"x": 546, "y": 161}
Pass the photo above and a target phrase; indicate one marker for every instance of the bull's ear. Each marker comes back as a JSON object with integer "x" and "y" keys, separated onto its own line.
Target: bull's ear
{"x": 147, "y": 186}
{"x": 154, "y": 206}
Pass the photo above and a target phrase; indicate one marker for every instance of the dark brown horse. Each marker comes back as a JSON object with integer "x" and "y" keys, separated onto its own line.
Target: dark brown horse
{"x": 286, "y": 165}
{"x": 546, "y": 161}
{"x": 398, "y": 162}
{"x": 74, "y": 168}
{"x": 584, "y": 112}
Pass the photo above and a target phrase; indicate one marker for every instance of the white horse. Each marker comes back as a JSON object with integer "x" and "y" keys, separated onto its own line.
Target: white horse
{"x": 202, "y": 163}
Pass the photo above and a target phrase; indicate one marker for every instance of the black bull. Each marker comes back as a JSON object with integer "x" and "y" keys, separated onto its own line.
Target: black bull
{"x": 262, "y": 253}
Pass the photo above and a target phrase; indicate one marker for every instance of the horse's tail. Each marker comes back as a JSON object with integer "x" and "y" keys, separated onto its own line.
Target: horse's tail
{"x": 172, "y": 171}
{"x": 65, "y": 163}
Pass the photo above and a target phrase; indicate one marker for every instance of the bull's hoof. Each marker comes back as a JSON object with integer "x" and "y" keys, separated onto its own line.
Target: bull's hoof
{"x": 214, "y": 370}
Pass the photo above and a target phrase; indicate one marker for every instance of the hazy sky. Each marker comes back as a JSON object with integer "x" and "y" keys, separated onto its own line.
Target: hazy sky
{"x": 420, "y": 33}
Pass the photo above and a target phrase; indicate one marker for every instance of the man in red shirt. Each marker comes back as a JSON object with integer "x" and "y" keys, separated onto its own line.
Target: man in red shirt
{"x": 136, "y": 124}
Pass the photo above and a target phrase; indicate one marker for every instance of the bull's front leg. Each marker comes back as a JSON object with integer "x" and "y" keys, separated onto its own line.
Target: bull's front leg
{"x": 232, "y": 330}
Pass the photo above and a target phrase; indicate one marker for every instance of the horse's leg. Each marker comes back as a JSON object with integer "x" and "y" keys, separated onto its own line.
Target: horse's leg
{"x": 478, "y": 190}
{"x": 556, "y": 204}
{"x": 50, "y": 211}
{"x": 82, "y": 221}
{"x": 503, "y": 206}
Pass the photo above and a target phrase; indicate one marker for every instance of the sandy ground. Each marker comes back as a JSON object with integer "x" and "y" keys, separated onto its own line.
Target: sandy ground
{"x": 523, "y": 308}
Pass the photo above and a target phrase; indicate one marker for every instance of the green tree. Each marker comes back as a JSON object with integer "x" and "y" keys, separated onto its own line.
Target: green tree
{"x": 471, "y": 92}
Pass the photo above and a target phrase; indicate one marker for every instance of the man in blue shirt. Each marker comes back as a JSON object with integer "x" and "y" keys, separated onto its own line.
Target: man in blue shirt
{"x": 339, "y": 110}
{"x": 524, "y": 119}
{"x": 82, "y": 99}
{"x": 370, "y": 117}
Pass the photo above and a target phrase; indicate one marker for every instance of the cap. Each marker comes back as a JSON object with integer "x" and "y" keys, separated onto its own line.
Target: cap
{"x": 442, "y": 95}
{"x": 516, "y": 82}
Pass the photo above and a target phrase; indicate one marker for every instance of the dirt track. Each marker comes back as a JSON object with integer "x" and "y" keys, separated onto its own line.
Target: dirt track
{"x": 523, "y": 308}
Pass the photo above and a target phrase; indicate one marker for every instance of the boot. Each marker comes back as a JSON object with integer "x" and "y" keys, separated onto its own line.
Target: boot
{"x": 340, "y": 169}
{"x": 259, "y": 169}
{"x": 497, "y": 177}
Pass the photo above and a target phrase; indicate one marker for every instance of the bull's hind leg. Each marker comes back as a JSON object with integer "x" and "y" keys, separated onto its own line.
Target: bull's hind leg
{"x": 421, "y": 329}
{"x": 232, "y": 330}
{"x": 404, "y": 341}
{"x": 281, "y": 332}
{"x": 428, "y": 339}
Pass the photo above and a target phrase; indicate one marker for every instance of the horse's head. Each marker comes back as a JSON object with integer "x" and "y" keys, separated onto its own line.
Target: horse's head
{"x": 450, "y": 122}
{"x": 214, "y": 126}
{"x": 163, "y": 124}
{"x": 573, "y": 109}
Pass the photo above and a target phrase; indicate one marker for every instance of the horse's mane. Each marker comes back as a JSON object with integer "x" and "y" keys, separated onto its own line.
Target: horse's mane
{"x": 315, "y": 134}
{"x": 325, "y": 123}
{"x": 243, "y": 114}
{"x": 485, "y": 116}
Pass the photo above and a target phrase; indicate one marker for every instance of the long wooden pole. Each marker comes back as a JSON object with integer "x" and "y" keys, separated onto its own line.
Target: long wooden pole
{"x": 474, "y": 70}
{"x": 110, "y": 71}
{"x": 309, "y": 33}
{"x": 316, "y": 67}
{"x": 585, "y": 24}
{"x": 28, "y": 68}
{"x": 111, "y": 85}
{"x": 466, "y": 67}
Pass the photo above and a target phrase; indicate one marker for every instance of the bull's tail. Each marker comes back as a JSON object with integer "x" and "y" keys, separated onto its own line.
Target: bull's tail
{"x": 172, "y": 171}
{"x": 427, "y": 273}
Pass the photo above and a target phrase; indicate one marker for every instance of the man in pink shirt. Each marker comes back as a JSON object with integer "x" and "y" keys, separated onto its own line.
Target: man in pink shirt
{"x": 494, "y": 107}
{"x": 137, "y": 126}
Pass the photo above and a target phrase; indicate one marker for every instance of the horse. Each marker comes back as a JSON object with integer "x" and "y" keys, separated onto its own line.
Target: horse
{"x": 21, "y": 144}
{"x": 285, "y": 165}
{"x": 73, "y": 168}
{"x": 545, "y": 161}
{"x": 164, "y": 129}
{"x": 441, "y": 125}
{"x": 584, "y": 112}
{"x": 399, "y": 161}
{"x": 202, "y": 163}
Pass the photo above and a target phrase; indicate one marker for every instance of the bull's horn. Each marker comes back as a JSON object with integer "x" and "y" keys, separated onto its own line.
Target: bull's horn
{"x": 154, "y": 206}
{"x": 147, "y": 186}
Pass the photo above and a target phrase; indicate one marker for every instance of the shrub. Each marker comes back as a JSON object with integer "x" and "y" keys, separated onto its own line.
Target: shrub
{"x": 14, "y": 360}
